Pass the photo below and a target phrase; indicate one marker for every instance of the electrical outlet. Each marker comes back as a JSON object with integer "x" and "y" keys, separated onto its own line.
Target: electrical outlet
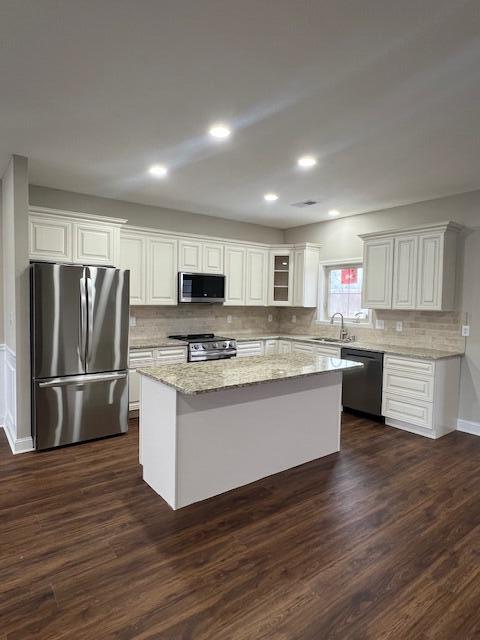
{"x": 465, "y": 330}
{"x": 229, "y": 319}
{"x": 294, "y": 318}
{"x": 133, "y": 321}
{"x": 379, "y": 324}
{"x": 399, "y": 326}
{"x": 270, "y": 317}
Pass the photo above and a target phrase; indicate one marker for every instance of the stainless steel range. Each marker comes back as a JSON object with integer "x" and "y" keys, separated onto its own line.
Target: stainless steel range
{"x": 207, "y": 346}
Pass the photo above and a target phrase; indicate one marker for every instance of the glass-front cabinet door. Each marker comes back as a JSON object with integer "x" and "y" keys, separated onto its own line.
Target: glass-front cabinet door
{"x": 281, "y": 278}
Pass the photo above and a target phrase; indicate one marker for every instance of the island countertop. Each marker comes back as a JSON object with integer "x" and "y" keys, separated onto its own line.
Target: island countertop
{"x": 203, "y": 377}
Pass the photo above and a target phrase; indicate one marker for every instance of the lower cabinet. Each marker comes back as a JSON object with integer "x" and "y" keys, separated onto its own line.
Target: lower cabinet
{"x": 140, "y": 358}
{"x": 303, "y": 347}
{"x": 271, "y": 347}
{"x": 284, "y": 346}
{"x": 250, "y": 348}
{"x": 421, "y": 396}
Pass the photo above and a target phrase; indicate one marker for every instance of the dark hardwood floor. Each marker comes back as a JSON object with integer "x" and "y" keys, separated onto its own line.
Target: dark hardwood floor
{"x": 380, "y": 541}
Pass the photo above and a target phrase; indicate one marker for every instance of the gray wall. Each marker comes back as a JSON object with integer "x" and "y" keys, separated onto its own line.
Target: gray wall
{"x": 340, "y": 239}
{"x": 16, "y": 288}
{"x": 2, "y": 337}
{"x": 157, "y": 217}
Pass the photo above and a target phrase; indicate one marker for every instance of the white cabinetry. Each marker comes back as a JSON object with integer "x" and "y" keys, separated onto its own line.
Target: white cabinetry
{"x": 133, "y": 256}
{"x": 411, "y": 268}
{"x": 271, "y": 347}
{"x": 256, "y": 277}
{"x": 190, "y": 254}
{"x": 71, "y": 237}
{"x": 199, "y": 256}
{"x": 328, "y": 350}
{"x": 213, "y": 257}
{"x": 405, "y": 270}
{"x": 421, "y": 396}
{"x": 250, "y": 348}
{"x": 95, "y": 244}
{"x": 50, "y": 238}
{"x": 139, "y": 358}
{"x": 281, "y": 277}
{"x": 235, "y": 256}
{"x": 161, "y": 270}
{"x": 284, "y": 346}
{"x": 303, "y": 347}
{"x": 377, "y": 273}
{"x": 306, "y": 262}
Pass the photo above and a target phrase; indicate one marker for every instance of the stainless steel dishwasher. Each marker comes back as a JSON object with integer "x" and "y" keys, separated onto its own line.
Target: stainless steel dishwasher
{"x": 362, "y": 387}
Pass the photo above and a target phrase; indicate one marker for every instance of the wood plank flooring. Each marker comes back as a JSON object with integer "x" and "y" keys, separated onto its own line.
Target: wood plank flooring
{"x": 381, "y": 541}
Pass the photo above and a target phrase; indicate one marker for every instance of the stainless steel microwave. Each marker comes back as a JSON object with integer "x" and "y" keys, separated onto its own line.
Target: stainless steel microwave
{"x": 201, "y": 287}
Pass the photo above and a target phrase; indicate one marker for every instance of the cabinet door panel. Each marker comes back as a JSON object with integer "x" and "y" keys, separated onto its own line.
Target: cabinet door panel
{"x": 162, "y": 271}
{"x": 430, "y": 265}
{"x": 94, "y": 244}
{"x": 281, "y": 278}
{"x": 378, "y": 273}
{"x": 190, "y": 256}
{"x": 133, "y": 257}
{"x": 50, "y": 239}
{"x": 212, "y": 258}
{"x": 235, "y": 275}
{"x": 256, "y": 277}
{"x": 405, "y": 272}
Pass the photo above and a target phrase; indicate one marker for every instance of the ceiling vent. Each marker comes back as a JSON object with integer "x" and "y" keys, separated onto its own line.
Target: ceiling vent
{"x": 305, "y": 203}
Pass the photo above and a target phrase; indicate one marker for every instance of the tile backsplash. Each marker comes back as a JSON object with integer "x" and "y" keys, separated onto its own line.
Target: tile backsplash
{"x": 429, "y": 329}
{"x": 432, "y": 330}
{"x": 152, "y": 322}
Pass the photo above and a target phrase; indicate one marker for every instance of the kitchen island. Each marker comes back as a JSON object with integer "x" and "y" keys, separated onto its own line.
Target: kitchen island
{"x": 209, "y": 427}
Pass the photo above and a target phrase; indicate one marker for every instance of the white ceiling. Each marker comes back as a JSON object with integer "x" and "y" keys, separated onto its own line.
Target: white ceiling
{"x": 385, "y": 92}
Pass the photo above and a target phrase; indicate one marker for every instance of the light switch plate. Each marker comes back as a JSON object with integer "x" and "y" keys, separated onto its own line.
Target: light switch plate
{"x": 270, "y": 317}
{"x": 379, "y": 324}
{"x": 133, "y": 321}
{"x": 465, "y": 330}
{"x": 294, "y": 318}
{"x": 229, "y": 319}
{"x": 399, "y": 326}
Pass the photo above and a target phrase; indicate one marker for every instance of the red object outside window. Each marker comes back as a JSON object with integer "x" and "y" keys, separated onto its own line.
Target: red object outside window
{"x": 349, "y": 276}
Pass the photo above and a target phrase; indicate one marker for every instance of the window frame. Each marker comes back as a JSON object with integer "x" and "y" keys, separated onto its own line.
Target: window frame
{"x": 322, "y": 304}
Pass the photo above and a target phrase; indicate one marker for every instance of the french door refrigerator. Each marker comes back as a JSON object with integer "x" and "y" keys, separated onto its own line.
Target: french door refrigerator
{"x": 79, "y": 347}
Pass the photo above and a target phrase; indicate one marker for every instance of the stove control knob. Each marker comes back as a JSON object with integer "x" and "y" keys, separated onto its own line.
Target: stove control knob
{"x": 194, "y": 346}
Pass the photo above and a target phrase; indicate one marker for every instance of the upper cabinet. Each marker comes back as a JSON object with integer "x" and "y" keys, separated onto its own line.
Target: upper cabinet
{"x": 235, "y": 257}
{"x": 306, "y": 262}
{"x": 281, "y": 277}
{"x": 256, "y": 277}
{"x": 133, "y": 256}
{"x": 63, "y": 236}
{"x": 377, "y": 273}
{"x": 411, "y": 268}
{"x": 161, "y": 270}
{"x": 199, "y": 256}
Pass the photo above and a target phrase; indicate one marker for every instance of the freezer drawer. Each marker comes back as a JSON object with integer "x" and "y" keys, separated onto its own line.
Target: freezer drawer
{"x": 77, "y": 408}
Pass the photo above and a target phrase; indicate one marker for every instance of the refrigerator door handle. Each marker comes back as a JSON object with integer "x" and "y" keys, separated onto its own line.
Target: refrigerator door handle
{"x": 90, "y": 294}
{"x": 84, "y": 379}
{"x": 83, "y": 320}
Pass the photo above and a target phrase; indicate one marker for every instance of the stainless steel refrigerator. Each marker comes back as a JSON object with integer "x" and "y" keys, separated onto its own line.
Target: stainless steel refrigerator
{"x": 79, "y": 346}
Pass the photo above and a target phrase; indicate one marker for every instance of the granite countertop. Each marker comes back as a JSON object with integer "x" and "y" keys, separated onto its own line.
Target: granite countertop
{"x": 403, "y": 350}
{"x": 203, "y": 377}
{"x": 151, "y": 343}
{"x": 398, "y": 350}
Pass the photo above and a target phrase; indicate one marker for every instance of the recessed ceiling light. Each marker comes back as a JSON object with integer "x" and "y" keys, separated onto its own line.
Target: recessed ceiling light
{"x": 219, "y": 131}
{"x": 306, "y": 162}
{"x": 270, "y": 197}
{"x": 333, "y": 213}
{"x": 158, "y": 170}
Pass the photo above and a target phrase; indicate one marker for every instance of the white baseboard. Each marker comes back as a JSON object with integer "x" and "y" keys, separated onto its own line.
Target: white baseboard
{"x": 7, "y": 402}
{"x": 468, "y": 427}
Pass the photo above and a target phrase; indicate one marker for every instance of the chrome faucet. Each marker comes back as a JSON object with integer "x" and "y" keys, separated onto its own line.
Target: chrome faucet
{"x": 343, "y": 331}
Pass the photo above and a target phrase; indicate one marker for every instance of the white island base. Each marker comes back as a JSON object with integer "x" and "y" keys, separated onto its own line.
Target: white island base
{"x": 193, "y": 447}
